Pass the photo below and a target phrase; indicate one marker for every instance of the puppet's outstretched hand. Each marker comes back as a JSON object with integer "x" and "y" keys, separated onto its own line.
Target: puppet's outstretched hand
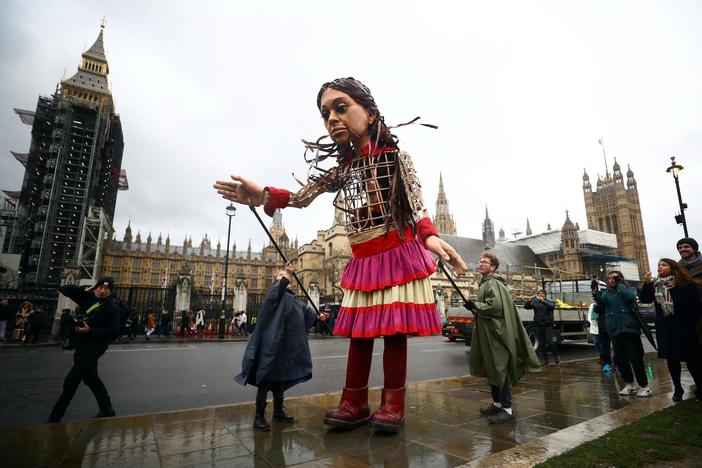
{"x": 447, "y": 253}
{"x": 240, "y": 190}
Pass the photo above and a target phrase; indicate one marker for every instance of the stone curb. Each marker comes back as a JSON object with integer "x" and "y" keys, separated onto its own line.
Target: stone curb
{"x": 551, "y": 445}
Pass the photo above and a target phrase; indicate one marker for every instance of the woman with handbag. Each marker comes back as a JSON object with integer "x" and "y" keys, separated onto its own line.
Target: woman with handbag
{"x": 678, "y": 308}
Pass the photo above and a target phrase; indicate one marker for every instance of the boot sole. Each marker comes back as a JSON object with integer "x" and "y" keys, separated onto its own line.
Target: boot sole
{"x": 341, "y": 424}
{"x": 387, "y": 427}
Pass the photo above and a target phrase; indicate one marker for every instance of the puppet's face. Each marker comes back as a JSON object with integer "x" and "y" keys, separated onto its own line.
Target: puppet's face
{"x": 345, "y": 119}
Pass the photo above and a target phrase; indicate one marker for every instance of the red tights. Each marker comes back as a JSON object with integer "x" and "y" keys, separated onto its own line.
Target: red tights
{"x": 394, "y": 362}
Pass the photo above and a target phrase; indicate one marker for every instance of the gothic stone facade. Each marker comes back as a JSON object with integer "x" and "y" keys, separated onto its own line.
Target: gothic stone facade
{"x": 615, "y": 208}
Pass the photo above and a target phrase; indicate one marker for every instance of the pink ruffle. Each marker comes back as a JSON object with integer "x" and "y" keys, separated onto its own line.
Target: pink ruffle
{"x": 388, "y": 319}
{"x": 402, "y": 264}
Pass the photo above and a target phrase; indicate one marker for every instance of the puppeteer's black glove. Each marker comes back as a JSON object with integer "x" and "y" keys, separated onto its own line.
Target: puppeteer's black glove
{"x": 470, "y": 305}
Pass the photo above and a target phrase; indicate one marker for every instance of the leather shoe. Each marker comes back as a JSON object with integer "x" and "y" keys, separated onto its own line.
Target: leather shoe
{"x": 108, "y": 413}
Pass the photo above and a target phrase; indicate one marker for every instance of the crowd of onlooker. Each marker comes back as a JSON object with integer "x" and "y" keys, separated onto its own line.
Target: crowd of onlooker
{"x": 21, "y": 321}
{"x": 676, "y": 293}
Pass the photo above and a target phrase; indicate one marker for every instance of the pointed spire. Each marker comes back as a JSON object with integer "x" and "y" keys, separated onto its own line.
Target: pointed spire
{"x": 128, "y": 232}
{"x": 277, "y": 219}
{"x": 488, "y": 230}
{"x": 548, "y": 226}
{"x": 443, "y": 220}
{"x": 616, "y": 166}
{"x": 97, "y": 50}
{"x": 528, "y": 228}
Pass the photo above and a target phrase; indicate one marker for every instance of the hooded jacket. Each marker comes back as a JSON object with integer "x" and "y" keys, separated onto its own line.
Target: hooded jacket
{"x": 278, "y": 350}
{"x": 618, "y": 308}
{"x": 500, "y": 347}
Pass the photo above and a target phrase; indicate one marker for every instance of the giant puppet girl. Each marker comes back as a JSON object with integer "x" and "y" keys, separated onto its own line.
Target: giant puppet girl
{"x": 387, "y": 290}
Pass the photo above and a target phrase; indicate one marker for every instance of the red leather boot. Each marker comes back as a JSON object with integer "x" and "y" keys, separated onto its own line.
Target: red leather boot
{"x": 391, "y": 415}
{"x": 353, "y": 409}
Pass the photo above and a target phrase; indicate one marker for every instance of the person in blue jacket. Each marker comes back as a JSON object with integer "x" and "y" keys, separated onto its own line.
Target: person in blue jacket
{"x": 618, "y": 302}
{"x": 277, "y": 356}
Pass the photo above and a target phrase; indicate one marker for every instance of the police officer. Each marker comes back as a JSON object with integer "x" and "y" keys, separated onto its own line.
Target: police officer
{"x": 91, "y": 336}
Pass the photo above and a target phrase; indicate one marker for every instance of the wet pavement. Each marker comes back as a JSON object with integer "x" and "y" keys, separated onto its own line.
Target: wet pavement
{"x": 556, "y": 410}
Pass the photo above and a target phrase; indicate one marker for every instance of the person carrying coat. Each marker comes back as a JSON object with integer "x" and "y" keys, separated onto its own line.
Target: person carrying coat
{"x": 618, "y": 302}
{"x": 277, "y": 356}
{"x": 543, "y": 318}
{"x": 678, "y": 308}
{"x": 500, "y": 347}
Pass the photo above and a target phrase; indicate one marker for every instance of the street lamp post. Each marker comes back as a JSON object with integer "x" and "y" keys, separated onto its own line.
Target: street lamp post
{"x": 675, "y": 169}
{"x": 231, "y": 211}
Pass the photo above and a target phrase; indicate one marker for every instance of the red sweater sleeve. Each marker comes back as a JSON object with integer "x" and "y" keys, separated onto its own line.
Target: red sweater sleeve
{"x": 277, "y": 198}
{"x": 425, "y": 228}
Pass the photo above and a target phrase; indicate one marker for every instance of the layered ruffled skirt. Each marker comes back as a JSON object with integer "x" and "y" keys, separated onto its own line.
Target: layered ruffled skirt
{"x": 389, "y": 291}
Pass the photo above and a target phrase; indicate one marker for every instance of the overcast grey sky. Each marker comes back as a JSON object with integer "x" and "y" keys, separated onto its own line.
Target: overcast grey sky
{"x": 521, "y": 92}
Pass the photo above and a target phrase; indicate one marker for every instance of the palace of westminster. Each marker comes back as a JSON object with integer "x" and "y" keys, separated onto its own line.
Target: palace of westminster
{"x": 62, "y": 217}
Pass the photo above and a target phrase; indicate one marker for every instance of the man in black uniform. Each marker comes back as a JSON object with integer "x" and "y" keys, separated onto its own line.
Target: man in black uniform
{"x": 91, "y": 337}
{"x": 543, "y": 318}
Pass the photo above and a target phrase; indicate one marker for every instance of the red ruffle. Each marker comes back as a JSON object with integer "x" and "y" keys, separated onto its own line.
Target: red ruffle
{"x": 388, "y": 319}
{"x": 407, "y": 262}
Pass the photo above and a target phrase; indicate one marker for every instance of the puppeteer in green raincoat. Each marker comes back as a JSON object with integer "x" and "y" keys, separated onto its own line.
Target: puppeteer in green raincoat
{"x": 500, "y": 349}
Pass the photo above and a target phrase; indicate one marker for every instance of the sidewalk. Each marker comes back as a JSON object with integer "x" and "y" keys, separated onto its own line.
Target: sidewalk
{"x": 557, "y": 409}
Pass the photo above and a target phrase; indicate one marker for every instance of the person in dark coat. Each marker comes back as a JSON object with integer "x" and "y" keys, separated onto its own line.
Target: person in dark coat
{"x": 691, "y": 259}
{"x": 5, "y": 317}
{"x": 678, "y": 308}
{"x": 35, "y": 323}
{"x": 623, "y": 327}
{"x": 91, "y": 337}
{"x": 278, "y": 355}
{"x": 543, "y": 318}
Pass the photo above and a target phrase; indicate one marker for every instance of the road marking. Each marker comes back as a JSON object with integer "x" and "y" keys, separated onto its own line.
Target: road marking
{"x": 432, "y": 350}
{"x": 337, "y": 356}
{"x": 151, "y": 349}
